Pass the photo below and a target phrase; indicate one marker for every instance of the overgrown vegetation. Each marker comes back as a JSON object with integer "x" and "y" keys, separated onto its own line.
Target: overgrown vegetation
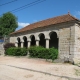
{"x": 77, "y": 72}
{"x": 16, "y": 51}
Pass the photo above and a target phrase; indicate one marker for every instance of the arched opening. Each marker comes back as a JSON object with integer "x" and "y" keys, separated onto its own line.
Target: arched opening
{"x": 19, "y": 42}
{"x": 42, "y": 40}
{"x": 33, "y": 42}
{"x": 53, "y": 40}
{"x": 25, "y": 41}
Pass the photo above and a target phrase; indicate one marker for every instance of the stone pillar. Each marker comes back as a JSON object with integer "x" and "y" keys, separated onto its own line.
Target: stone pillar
{"x": 16, "y": 44}
{"x": 22, "y": 44}
{"x": 47, "y": 43}
{"x": 37, "y": 42}
{"x": 29, "y": 44}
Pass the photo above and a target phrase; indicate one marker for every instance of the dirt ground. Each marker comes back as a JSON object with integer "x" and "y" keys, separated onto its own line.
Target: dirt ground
{"x": 23, "y": 68}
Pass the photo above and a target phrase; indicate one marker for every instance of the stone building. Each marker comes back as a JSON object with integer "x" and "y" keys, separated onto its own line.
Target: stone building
{"x": 61, "y": 32}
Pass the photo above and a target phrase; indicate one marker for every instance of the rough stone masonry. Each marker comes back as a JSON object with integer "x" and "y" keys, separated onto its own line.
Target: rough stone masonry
{"x": 1, "y": 48}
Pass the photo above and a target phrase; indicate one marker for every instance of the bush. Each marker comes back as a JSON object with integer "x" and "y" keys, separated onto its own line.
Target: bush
{"x": 16, "y": 51}
{"x": 53, "y": 53}
{"x": 8, "y": 45}
{"x": 35, "y": 51}
{"x": 40, "y": 52}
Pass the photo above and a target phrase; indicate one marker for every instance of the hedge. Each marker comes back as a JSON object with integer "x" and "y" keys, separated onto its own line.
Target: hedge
{"x": 35, "y": 51}
{"x": 16, "y": 51}
{"x": 40, "y": 52}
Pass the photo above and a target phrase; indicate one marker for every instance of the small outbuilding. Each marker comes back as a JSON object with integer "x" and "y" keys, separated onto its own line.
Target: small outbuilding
{"x": 61, "y": 32}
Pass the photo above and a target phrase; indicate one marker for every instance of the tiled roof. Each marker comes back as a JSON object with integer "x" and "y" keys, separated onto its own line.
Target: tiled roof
{"x": 50, "y": 21}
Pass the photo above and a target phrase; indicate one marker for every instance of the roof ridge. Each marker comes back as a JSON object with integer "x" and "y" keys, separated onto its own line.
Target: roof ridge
{"x": 73, "y": 17}
{"x": 48, "y": 21}
{"x": 44, "y": 20}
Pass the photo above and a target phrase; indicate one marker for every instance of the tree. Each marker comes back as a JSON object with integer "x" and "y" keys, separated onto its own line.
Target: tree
{"x": 8, "y": 23}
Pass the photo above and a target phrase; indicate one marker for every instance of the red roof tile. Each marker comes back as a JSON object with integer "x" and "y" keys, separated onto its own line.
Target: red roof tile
{"x": 50, "y": 21}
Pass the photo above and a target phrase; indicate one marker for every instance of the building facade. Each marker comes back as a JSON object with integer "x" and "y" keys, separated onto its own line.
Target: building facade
{"x": 61, "y": 32}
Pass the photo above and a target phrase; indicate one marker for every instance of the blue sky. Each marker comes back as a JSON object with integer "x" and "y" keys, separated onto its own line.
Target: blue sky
{"x": 41, "y": 11}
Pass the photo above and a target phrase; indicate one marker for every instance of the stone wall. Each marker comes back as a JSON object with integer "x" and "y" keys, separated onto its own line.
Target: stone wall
{"x": 5, "y": 40}
{"x": 77, "y": 41}
{"x": 64, "y": 43}
{"x": 1, "y": 49}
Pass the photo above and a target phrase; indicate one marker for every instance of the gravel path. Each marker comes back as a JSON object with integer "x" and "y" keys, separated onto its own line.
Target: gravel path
{"x": 23, "y": 68}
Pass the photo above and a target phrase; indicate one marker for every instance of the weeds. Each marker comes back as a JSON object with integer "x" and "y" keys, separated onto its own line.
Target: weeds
{"x": 77, "y": 72}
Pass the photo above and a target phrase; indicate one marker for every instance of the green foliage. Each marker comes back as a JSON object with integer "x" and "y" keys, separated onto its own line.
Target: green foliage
{"x": 35, "y": 51}
{"x": 53, "y": 53}
{"x": 8, "y": 45}
{"x": 8, "y": 23}
{"x": 16, "y": 51}
{"x": 40, "y": 52}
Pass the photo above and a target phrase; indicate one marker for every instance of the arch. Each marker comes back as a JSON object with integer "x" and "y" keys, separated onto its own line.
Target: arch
{"x": 25, "y": 44}
{"x": 53, "y": 40}
{"x": 19, "y": 42}
{"x": 33, "y": 42}
{"x": 42, "y": 41}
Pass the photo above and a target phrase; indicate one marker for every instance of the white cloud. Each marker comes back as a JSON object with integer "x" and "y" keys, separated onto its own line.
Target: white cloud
{"x": 21, "y": 25}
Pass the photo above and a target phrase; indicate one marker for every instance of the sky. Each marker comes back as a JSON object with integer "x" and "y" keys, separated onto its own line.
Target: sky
{"x": 37, "y": 10}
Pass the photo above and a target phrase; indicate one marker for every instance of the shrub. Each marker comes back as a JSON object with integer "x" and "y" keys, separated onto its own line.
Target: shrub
{"x": 40, "y": 52}
{"x": 53, "y": 53}
{"x": 8, "y": 45}
{"x": 35, "y": 51}
{"x": 16, "y": 51}
{"x": 10, "y": 51}
{"x": 23, "y": 51}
